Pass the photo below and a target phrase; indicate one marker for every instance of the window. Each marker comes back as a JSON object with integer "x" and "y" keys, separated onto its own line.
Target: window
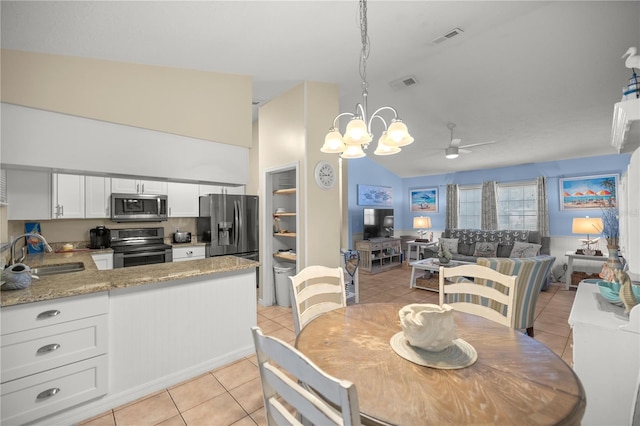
{"x": 518, "y": 206}
{"x": 470, "y": 207}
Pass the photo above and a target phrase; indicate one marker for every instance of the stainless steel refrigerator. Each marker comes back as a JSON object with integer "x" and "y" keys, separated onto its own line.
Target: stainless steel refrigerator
{"x": 229, "y": 225}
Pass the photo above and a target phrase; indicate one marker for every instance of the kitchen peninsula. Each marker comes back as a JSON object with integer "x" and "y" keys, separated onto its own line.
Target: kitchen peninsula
{"x": 148, "y": 327}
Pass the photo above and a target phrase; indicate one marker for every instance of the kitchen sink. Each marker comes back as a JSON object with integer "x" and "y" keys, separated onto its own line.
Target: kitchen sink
{"x": 62, "y": 268}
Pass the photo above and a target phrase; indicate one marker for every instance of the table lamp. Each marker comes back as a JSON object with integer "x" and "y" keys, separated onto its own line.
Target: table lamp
{"x": 587, "y": 225}
{"x": 421, "y": 223}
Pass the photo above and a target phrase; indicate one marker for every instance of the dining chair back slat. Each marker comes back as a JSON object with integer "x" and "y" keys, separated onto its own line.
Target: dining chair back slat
{"x": 470, "y": 288}
{"x": 316, "y": 290}
{"x": 289, "y": 378}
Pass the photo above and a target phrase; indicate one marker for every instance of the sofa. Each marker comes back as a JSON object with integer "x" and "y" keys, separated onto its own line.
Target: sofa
{"x": 532, "y": 275}
{"x": 470, "y": 244}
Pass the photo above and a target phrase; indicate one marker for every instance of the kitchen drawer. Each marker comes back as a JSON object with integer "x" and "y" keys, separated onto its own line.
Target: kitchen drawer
{"x": 35, "y": 396}
{"x": 41, "y": 314}
{"x": 188, "y": 253}
{"x": 44, "y": 348}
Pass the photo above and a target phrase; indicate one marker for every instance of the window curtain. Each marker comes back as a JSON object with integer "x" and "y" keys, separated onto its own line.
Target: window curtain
{"x": 489, "y": 219}
{"x": 452, "y": 206}
{"x": 543, "y": 207}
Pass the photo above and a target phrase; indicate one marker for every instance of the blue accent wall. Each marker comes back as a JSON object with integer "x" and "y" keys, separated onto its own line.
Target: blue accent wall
{"x": 366, "y": 171}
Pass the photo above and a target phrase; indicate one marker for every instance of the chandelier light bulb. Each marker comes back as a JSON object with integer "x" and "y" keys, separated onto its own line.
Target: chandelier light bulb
{"x": 353, "y": 151}
{"x": 383, "y": 148}
{"x": 333, "y": 143}
{"x": 357, "y": 132}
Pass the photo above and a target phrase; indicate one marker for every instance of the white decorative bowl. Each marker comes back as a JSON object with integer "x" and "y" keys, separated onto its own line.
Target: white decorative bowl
{"x": 428, "y": 326}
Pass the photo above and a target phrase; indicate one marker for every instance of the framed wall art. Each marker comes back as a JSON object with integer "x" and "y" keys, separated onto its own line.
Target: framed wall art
{"x": 589, "y": 192}
{"x": 371, "y": 195}
{"x": 423, "y": 200}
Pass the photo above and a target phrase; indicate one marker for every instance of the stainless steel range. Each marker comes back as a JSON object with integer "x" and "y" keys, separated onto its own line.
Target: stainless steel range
{"x": 139, "y": 246}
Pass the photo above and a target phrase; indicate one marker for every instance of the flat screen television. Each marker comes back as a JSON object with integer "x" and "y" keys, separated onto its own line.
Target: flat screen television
{"x": 377, "y": 223}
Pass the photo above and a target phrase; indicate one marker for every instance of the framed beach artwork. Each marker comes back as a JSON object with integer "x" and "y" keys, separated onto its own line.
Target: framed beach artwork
{"x": 423, "y": 200}
{"x": 589, "y": 192}
{"x": 370, "y": 195}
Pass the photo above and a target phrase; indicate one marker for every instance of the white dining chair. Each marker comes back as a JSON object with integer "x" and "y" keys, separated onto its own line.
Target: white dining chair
{"x": 466, "y": 296}
{"x": 289, "y": 377}
{"x": 314, "y": 291}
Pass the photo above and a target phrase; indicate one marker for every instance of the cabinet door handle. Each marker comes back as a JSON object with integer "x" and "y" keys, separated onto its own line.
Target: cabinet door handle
{"x": 48, "y": 348}
{"x": 143, "y": 188}
{"x": 48, "y": 314}
{"x": 48, "y": 393}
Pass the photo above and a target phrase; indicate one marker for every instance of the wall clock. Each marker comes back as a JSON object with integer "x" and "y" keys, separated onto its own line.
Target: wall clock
{"x": 325, "y": 175}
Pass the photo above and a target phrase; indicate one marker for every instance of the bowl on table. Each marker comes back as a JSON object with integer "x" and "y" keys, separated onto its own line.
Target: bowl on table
{"x": 611, "y": 291}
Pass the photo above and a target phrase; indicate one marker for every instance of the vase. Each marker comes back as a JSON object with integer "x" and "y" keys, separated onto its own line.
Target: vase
{"x": 614, "y": 261}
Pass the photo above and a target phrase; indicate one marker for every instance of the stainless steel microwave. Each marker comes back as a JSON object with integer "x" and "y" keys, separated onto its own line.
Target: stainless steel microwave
{"x": 138, "y": 208}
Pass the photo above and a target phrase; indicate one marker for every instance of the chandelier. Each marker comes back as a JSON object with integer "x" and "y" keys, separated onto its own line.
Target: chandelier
{"x": 358, "y": 134}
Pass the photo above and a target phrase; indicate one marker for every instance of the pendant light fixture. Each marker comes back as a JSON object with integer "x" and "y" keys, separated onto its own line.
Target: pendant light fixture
{"x": 358, "y": 134}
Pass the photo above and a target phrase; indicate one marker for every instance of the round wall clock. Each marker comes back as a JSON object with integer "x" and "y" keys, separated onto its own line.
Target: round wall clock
{"x": 325, "y": 175}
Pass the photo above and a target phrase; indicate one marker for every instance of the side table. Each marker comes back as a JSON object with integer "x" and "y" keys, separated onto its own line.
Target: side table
{"x": 571, "y": 255}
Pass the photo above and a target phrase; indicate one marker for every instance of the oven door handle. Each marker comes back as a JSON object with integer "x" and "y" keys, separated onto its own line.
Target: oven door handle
{"x": 143, "y": 254}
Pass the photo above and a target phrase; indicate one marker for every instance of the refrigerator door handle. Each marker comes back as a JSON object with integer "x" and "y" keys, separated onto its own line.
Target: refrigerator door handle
{"x": 238, "y": 222}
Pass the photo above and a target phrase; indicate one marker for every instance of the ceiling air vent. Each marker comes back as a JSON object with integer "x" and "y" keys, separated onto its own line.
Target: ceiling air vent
{"x": 404, "y": 82}
{"x": 450, "y": 34}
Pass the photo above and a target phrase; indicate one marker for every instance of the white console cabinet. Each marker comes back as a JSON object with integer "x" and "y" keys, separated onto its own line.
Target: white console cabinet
{"x": 606, "y": 355}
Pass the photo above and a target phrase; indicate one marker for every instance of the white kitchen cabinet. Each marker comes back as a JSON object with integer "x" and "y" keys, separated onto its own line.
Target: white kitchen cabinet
{"x": 181, "y": 254}
{"x": 183, "y": 199}
{"x": 68, "y": 196}
{"x": 28, "y": 195}
{"x": 103, "y": 260}
{"x": 53, "y": 355}
{"x": 137, "y": 186}
{"x": 97, "y": 197}
{"x": 221, "y": 189}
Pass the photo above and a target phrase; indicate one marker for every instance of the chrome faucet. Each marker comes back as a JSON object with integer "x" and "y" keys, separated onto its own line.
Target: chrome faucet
{"x": 13, "y": 246}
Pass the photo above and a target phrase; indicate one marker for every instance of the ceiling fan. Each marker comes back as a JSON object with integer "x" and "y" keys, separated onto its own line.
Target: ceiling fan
{"x": 454, "y": 148}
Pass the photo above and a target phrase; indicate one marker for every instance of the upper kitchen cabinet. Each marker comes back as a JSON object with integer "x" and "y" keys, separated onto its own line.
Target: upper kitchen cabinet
{"x": 136, "y": 186}
{"x": 68, "y": 196}
{"x": 183, "y": 199}
{"x": 222, "y": 189}
{"x": 28, "y": 195}
{"x": 625, "y": 130}
{"x": 97, "y": 196}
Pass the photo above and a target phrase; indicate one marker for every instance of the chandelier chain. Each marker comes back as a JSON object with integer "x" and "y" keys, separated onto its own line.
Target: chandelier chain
{"x": 364, "y": 36}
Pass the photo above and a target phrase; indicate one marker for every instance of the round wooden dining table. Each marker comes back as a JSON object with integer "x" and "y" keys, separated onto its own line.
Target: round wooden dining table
{"x": 516, "y": 380}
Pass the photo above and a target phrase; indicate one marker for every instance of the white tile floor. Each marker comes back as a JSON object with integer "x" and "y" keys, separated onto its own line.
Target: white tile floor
{"x": 231, "y": 395}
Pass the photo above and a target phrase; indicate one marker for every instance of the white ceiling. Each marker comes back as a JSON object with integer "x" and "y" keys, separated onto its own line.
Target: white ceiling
{"x": 539, "y": 78}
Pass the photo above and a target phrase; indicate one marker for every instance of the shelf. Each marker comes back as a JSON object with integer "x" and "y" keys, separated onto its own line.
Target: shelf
{"x": 625, "y": 114}
{"x": 285, "y": 234}
{"x": 287, "y": 191}
{"x": 283, "y": 214}
{"x": 291, "y": 257}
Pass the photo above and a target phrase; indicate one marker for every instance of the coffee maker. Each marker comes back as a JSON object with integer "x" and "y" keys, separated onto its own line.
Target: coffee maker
{"x": 99, "y": 238}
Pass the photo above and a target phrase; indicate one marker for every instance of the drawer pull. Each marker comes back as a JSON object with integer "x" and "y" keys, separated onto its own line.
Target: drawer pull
{"x": 48, "y": 348}
{"x": 189, "y": 253}
{"x": 48, "y": 314}
{"x": 48, "y": 393}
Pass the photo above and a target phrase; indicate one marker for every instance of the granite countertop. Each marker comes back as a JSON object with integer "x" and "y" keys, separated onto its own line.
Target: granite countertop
{"x": 92, "y": 280}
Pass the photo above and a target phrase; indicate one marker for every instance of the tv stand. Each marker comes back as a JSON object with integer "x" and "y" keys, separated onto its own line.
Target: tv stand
{"x": 379, "y": 254}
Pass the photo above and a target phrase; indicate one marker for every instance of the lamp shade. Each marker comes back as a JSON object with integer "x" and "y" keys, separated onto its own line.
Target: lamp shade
{"x": 422, "y": 222}
{"x": 383, "y": 148}
{"x": 587, "y": 225}
{"x": 353, "y": 151}
{"x": 357, "y": 132}
{"x": 333, "y": 143}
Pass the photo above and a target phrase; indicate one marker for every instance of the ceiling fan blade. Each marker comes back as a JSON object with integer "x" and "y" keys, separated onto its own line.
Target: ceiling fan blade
{"x": 478, "y": 144}
{"x": 464, "y": 151}
{"x": 455, "y": 142}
